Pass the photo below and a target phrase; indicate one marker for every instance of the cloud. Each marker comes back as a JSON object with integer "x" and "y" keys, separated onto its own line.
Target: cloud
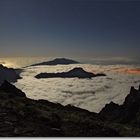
{"x": 88, "y": 94}
{"x": 2, "y": 62}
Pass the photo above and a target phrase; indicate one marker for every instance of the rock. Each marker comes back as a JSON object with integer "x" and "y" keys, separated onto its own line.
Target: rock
{"x": 100, "y": 74}
{"x": 56, "y": 121}
{"x": 126, "y": 112}
{"x": 131, "y": 105}
{"x": 57, "y": 132}
{"x": 110, "y": 111}
{"x": 76, "y": 72}
{"x": 41, "y": 118}
{"x": 8, "y": 74}
{"x": 10, "y": 90}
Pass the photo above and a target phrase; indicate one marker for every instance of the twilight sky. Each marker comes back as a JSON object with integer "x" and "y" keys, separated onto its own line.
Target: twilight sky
{"x": 83, "y": 28}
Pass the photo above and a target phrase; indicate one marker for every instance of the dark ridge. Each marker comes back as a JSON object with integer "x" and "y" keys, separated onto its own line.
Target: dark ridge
{"x": 76, "y": 72}
{"x": 24, "y": 117}
{"x": 127, "y": 112}
{"x": 10, "y": 90}
{"x": 57, "y": 61}
{"x": 9, "y": 74}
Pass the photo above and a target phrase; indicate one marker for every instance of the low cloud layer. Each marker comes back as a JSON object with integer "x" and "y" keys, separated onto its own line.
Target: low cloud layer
{"x": 85, "y": 93}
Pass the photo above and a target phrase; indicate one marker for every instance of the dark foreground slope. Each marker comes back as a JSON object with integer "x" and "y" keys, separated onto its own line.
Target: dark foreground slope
{"x": 76, "y": 72}
{"x": 21, "y": 116}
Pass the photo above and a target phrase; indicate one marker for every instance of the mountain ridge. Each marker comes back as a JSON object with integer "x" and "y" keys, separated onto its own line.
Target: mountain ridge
{"x": 75, "y": 72}
{"x": 21, "y": 116}
{"x": 57, "y": 61}
{"x": 9, "y": 74}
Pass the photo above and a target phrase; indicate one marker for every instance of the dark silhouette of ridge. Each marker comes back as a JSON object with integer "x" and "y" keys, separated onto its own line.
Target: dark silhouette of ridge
{"x": 9, "y": 74}
{"x": 76, "y": 72}
{"x": 24, "y": 117}
{"x": 11, "y": 90}
{"x": 57, "y": 61}
{"x": 126, "y": 112}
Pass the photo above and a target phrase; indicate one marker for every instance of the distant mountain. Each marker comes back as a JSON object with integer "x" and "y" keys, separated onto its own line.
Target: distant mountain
{"x": 57, "y": 61}
{"x": 76, "y": 72}
{"x": 8, "y": 74}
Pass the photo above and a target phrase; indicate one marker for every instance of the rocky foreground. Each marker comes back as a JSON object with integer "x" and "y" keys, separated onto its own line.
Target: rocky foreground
{"x": 24, "y": 117}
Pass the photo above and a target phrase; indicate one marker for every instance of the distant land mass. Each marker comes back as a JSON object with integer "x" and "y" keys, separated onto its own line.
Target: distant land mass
{"x": 9, "y": 74}
{"x": 57, "y": 61}
{"x": 24, "y": 117}
{"x": 76, "y": 72}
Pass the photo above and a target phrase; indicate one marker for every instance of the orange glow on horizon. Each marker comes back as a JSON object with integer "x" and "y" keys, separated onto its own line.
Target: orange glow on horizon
{"x": 128, "y": 71}
{"x": 135, "y": 71}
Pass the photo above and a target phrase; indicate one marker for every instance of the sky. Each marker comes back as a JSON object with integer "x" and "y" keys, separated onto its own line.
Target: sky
{"x": 70, "y": 28}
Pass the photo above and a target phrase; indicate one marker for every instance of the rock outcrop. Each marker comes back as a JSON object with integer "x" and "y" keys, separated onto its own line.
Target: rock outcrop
{"x": 125, "y": 113}
{"x": 10, "y": 90}
{"x": 57, "y": 61}
{"x": 76, "y": 72}
{"x": 8, "y": 74}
